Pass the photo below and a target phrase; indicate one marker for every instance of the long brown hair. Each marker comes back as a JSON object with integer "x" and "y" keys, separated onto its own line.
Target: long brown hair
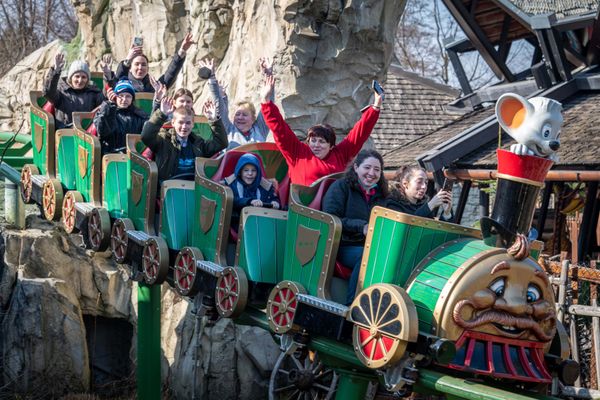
{"x": 352, "y": 178}
{"x": 402, "y": 174}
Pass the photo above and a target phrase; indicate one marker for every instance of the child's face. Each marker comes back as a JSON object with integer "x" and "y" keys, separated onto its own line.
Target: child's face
{"x": 183, "y": 125}
{"x": 124, "y": 100}
{"x": 79, "y": 80}
{"x": 184, "y": 101}
{"x": 248, "y": 174}
{"x": 243, "y": 119}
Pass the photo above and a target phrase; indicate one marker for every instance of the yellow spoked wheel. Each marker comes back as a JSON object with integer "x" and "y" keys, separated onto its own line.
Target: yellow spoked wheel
{"x": 99, "y": 229}
{"x": 26, "y": 181}
{"x": 155, "y": 260}
{"x": 186, "y": 273}
{"x": 119, "y": 240}
{"x": 52, "y": 197}
{"x": 385, "y": 320}
{"x": 282, "y": 305}
{"x": 231, "y": 292}
{"x": 69, "y": 213}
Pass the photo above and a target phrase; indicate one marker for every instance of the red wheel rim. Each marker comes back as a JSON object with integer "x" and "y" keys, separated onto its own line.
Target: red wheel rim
{"x": 95, "y": 229}
{"x": 228, "y": 292}
{"x": 48, "y": 200}
{"x": 118, "y": 241}
{"x": 69, "y": 212}
{"x": 185, "y": 271}
{"x": 374, "y": 345}
{"x": 151, "y": 260}
{"x": 283, "y": 307}
{"x": 26, "y": 184}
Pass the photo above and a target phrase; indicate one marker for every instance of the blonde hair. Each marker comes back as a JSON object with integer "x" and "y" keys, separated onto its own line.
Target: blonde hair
{"x": 247, "y": 106}
{"x": 183, "y": 112}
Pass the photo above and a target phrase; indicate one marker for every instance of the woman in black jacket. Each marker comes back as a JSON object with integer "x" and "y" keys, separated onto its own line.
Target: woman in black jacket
{"x": 410, "y": 196}
{"x": 351, "y": 199}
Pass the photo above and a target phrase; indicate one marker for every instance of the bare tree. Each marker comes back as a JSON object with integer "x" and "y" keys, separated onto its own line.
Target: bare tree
{"x": 26, "y": 25}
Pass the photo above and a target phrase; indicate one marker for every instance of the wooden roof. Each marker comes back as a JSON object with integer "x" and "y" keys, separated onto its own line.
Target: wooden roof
{"x": 562, "y": 8}
{"x": 413, "y": 107}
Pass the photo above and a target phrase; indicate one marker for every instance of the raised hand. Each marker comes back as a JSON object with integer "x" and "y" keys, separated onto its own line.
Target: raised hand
{"x": 186, "y": 44}
{"x": 134, "y": 51}
{"x": 59, "y": 61}
{"x": 378, "y": 99}
{"x": 110, "y": 95}
{"x": 210, "y": 110}
{"x": 267, "y": 89}
{"x": 222, "y": 88}
{"x": 167, "y": 105}
{"x": 105, "y": 64}
{"x": 206, "y": 68}
{"x": 266, "y": 66}
{"x": 160, "y": 89}
{"x": 440, "y": 199}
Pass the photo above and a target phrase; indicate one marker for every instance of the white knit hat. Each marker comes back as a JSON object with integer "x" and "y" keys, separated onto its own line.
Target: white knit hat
{"x": 78, "y": 66}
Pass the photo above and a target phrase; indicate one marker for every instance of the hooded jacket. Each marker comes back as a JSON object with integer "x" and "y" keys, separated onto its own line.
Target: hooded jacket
{"x": 421, "y": 209}
{"x": 114, "y": 123}
{"x": 165, "y": 146}
{"x": 67, "y": 100}
{"x": 350, "y": 205}
{"x": 261, "y": 189}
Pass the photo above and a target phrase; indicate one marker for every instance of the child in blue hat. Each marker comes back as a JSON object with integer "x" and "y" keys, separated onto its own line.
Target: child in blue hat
{"x": 249, "y": 187}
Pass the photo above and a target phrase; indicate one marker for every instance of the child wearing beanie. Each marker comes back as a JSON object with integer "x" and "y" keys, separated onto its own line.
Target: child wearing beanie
{"x": 72, "y": 93}
{"x": 117, "y": 117}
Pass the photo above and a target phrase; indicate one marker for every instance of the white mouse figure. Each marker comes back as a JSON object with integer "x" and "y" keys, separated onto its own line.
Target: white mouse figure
{"x": 535, "y": 124}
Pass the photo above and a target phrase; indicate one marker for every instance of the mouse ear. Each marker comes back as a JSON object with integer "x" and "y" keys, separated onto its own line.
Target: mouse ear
{"x": 512, "y": 110}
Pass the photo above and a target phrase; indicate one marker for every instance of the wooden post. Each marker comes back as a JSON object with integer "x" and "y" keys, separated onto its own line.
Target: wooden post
{"x": 595, "y": 360}
{"x": 562, "y": 291}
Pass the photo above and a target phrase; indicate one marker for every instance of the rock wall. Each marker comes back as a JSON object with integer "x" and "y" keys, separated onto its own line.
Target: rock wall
{"x": 48, "y": 282}
{"x": 326, "y": 52}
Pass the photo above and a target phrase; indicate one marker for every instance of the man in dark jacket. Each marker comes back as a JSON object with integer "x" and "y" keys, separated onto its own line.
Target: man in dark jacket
{"x": 70, "y": 94}
{"x": 117, "y": 117}
{"x": 176, "y": 148}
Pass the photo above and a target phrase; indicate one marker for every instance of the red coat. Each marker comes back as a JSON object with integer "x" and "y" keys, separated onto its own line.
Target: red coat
{"x": 304, "y": 166}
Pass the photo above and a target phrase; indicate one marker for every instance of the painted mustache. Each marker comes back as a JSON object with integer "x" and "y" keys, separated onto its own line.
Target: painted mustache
{"x": 501, "y": 318}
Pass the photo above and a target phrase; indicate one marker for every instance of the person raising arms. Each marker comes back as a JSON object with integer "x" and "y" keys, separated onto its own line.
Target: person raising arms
{"x": 319, "y": 155}
{"x": 410, "y": 196}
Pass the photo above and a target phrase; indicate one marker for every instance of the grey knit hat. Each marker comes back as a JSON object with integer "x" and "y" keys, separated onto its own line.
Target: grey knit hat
{"x": 78, "y": 66}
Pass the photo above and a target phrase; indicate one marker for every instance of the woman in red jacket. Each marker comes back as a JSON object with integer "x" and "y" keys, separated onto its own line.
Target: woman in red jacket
{"x": 319, "y": 155}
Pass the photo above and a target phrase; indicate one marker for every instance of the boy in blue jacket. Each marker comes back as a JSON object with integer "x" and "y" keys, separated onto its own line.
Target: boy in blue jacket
{"x": 249, "y": 187}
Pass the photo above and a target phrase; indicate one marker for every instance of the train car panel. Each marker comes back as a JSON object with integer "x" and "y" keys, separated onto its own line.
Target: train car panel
{"x": 97, "y": 79}
{"x": 177, "y": 212}
{"x": 312, "y": 240}
{"x": 66, "y": 168}
{"x": 87, "y": 178}
{"x": 397, "y": 242}
{"x": 202, "y": 127}
{"x": 261, "y": 244}
{"x": 42, "y": 134}
{"x": 144, "y": 100}
{"x": 143, "y": 182}
{"x": 115, "y": 187}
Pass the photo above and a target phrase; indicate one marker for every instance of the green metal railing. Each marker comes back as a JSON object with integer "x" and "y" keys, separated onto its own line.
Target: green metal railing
{"x": 15, "y": 148}
{"x": 14, "y": 207}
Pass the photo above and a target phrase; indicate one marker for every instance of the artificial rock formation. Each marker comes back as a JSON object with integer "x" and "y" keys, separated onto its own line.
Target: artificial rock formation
{"x": 326, "y": 52}
{"x": 49, "y": 284}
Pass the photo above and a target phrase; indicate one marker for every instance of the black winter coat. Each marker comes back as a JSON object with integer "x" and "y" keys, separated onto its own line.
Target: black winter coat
{"x": 168, "y": 78}
{"x": 350, "y": 205}
{"x": 114, "y": 123}
{"x": 67, "y": 100}
{"x": 420, "y": 209}
{"x": 163, "y": 143}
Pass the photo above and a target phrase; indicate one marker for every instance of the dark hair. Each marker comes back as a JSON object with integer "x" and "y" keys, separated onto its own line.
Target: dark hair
{"x": 323, "y": 131}
{"x": 183, "y": 92}
{"x": 352, "y": 178}
{"x": 140, "y": 55}
{"x": 404, "y": 174}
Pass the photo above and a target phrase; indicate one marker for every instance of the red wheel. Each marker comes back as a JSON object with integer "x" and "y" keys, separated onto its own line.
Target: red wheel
{"x": 385, "y": 320}
{"x": 118, "y": 239}
{"x": 52, "y": 197}
{"x": 186, "y": 274}
{"x": 69, "y": 213}
{"x": 282, "y": 305}
{"x": 99, "y": 229}
{"x": 231, "y": 292}
{"x": 155, "y": 261}
{"x": 26, "y": 181}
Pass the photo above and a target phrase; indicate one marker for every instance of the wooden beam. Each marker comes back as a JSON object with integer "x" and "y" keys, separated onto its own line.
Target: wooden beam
{"x": 504, "y": 45}
{"x": 478, "y": 39}
{"x": 462, "y": 201}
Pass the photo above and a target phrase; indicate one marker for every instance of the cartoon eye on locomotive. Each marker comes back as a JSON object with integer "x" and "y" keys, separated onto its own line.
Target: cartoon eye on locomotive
{"x": 434, "y": 299}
